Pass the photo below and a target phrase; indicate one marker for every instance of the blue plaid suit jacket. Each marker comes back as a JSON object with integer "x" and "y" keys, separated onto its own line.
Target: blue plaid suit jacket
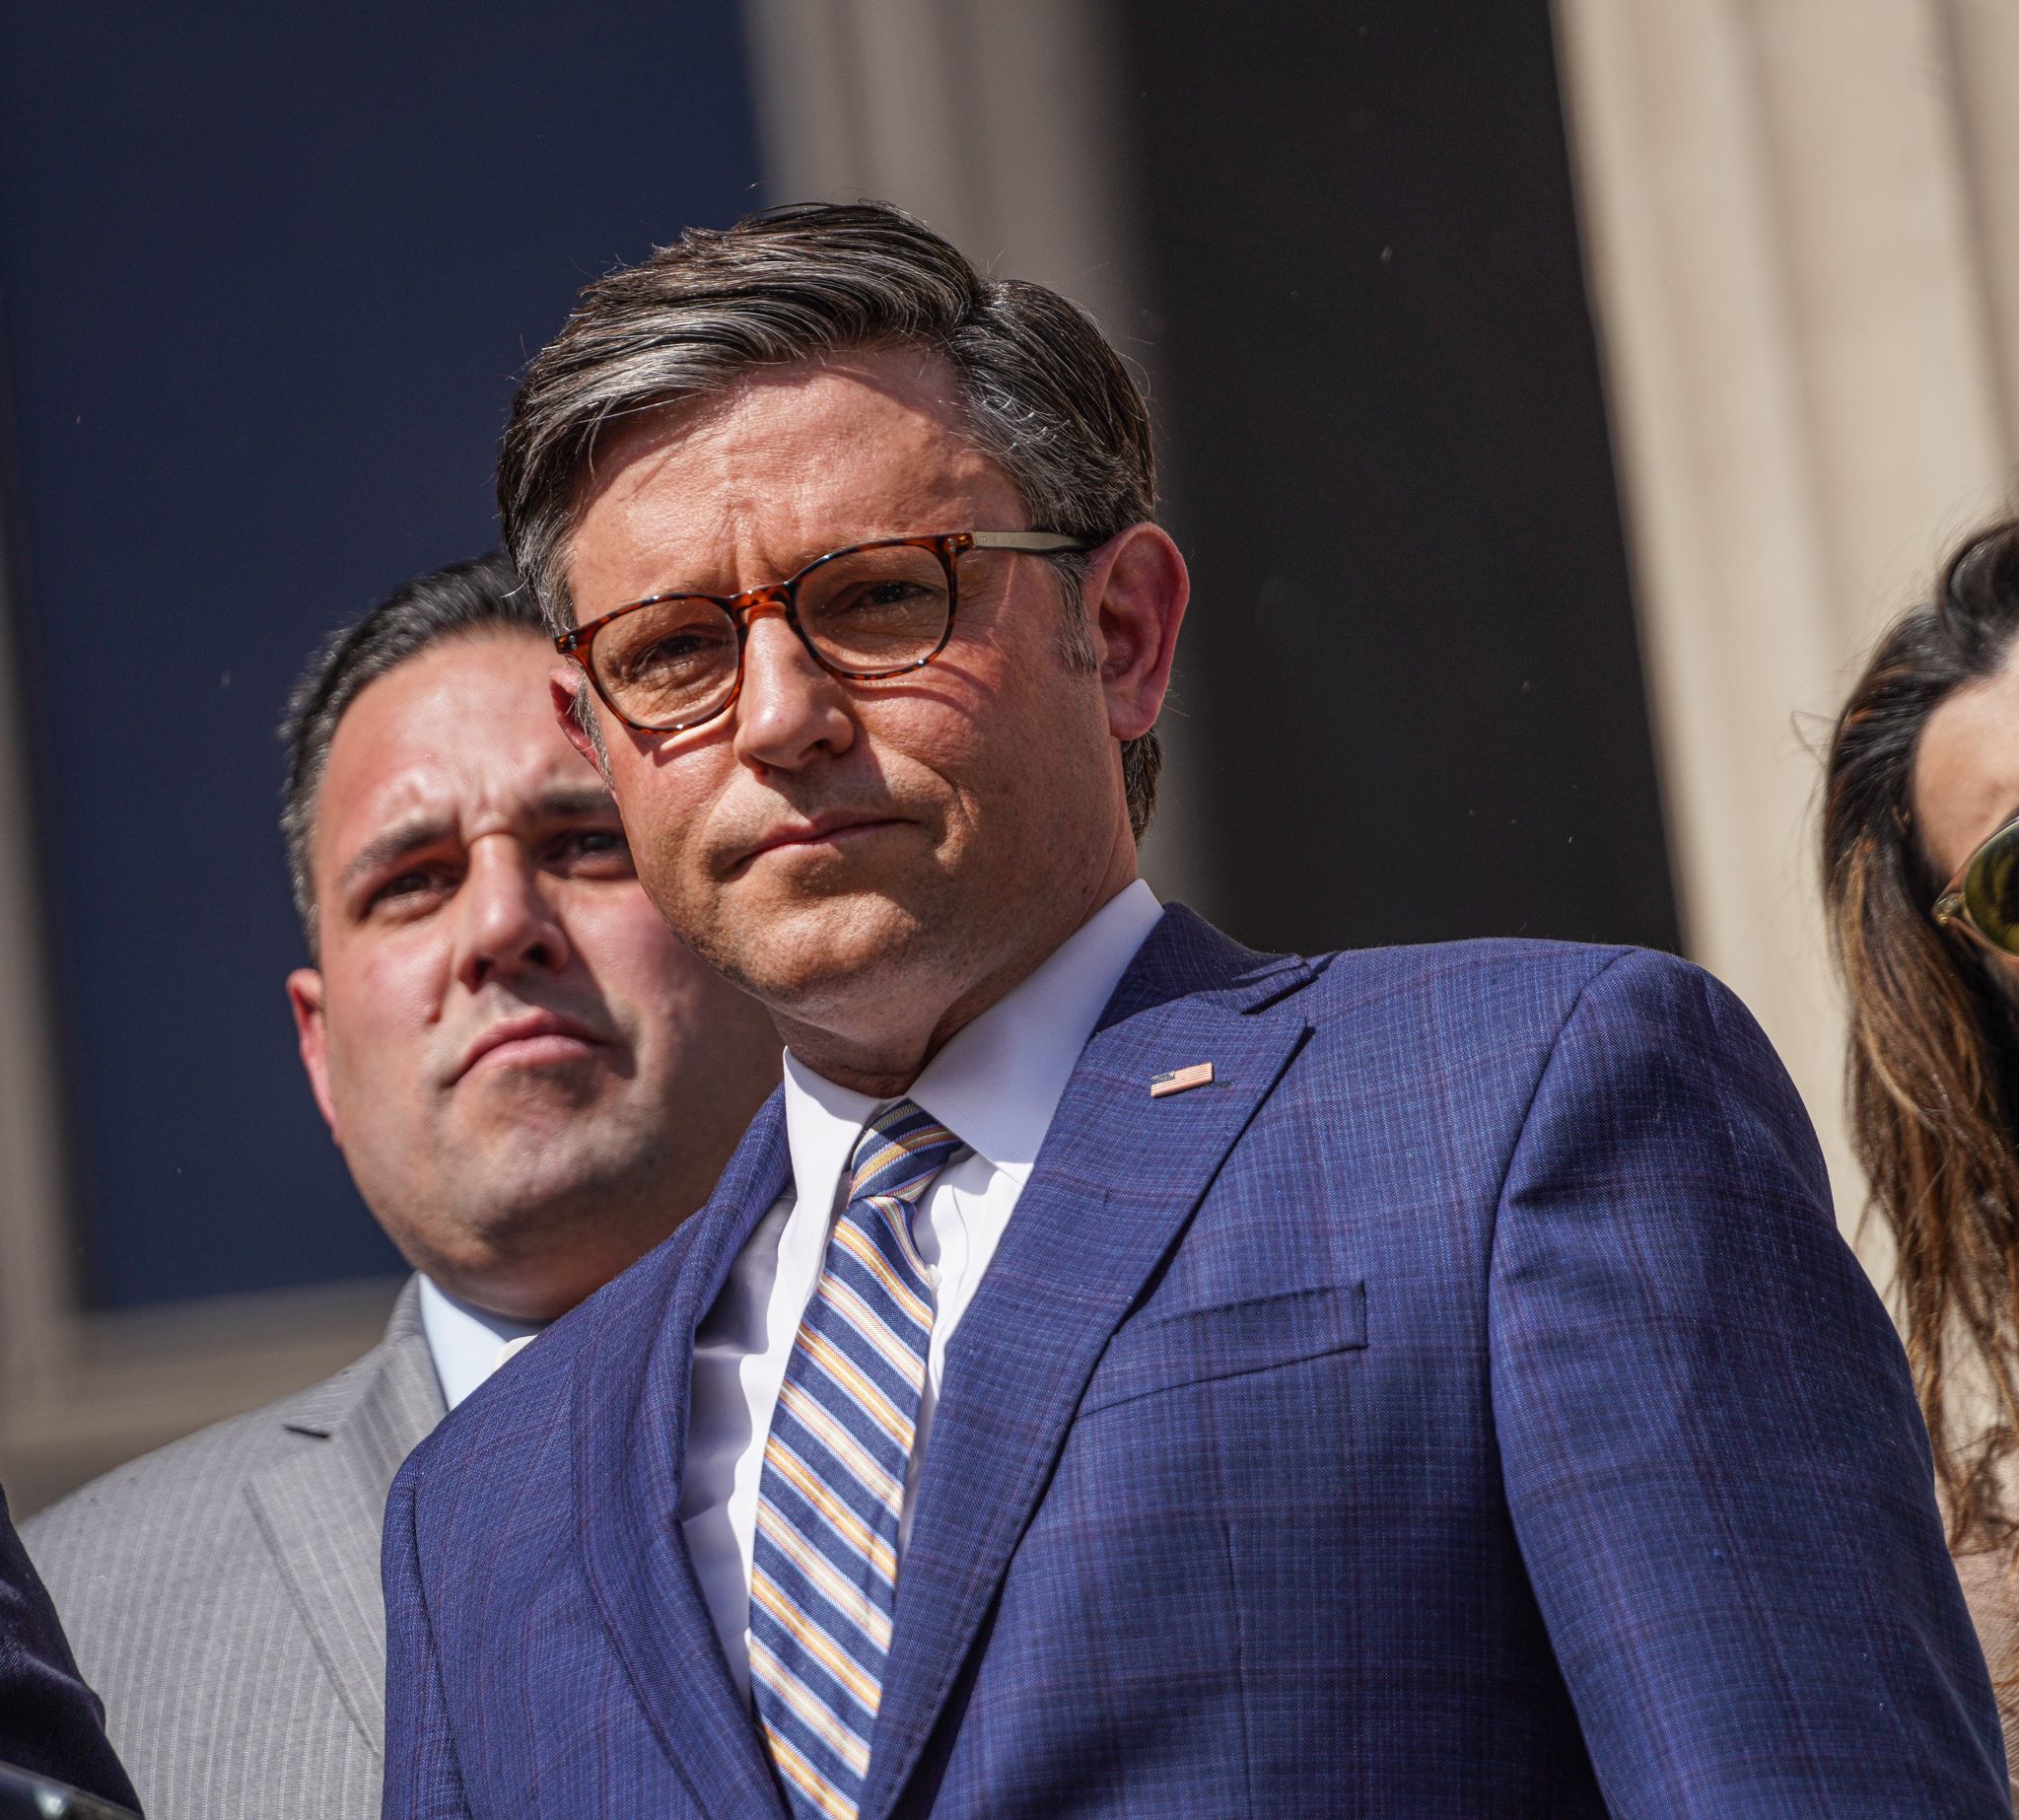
{"x": 1465, "y": 1405}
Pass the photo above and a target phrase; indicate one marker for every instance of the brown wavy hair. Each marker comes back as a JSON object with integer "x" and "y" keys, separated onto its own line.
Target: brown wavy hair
{"x": 1933, "y": 1070}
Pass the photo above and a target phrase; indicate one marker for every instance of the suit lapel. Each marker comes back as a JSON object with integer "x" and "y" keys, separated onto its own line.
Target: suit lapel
{"x": 320, "y": 1512}
{"x": 631, "y": 1415}
{"x": 1117, "y": 1179}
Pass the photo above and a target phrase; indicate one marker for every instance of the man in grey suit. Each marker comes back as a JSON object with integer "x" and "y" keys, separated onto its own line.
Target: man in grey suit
{"x": 533, "y": 1084}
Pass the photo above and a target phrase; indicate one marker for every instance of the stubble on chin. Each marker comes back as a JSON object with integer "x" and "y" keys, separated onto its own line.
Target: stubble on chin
{"x": 547, "y": 1154}
{"x": 808, "y": 958}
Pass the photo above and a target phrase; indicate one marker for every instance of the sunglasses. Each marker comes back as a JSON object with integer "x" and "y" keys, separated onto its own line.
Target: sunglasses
{"x": 1983, "y": 899}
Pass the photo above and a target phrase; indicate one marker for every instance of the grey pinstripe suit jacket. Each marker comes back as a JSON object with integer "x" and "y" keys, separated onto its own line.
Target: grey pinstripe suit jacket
{"x": 222, "y": 1595}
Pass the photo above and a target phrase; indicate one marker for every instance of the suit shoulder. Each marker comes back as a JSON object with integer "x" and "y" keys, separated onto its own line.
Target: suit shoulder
{"x": 174, "y": 1489}
{"x": 1578, "y": 1015}
{"x": 1519, "y": 1002}
{"x": 1495, "y": 979}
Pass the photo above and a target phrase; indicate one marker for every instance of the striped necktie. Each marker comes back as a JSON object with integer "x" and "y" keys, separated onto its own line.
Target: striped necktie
{"x": 823, "y": 1579}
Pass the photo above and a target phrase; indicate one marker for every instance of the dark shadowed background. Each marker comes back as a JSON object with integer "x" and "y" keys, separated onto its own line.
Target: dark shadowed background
{"x": 1418, "y": 690}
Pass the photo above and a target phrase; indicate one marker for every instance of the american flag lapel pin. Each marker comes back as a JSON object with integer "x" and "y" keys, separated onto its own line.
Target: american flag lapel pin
{"x": 1178, "y": 1080}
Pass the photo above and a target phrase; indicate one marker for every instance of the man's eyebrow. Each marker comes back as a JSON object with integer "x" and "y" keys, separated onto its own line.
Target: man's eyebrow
{"x": 402, "y": 838}
{"x": 586, "y": 802}
{"x": 575, "y": 804}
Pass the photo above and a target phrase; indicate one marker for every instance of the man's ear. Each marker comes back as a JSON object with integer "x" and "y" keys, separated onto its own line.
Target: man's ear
{"x": 312, "y": 1035}
{"x": 567, "y": 690}
{"x": 1136, "y": 602}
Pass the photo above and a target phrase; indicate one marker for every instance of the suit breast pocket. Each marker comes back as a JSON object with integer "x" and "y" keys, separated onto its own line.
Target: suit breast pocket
{"x": 1163, "y": 1351}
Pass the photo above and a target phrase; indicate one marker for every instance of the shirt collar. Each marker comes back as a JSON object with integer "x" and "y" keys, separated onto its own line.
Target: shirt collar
{"x": 997, "y": 1083}
{"x": 466, "y": 1344}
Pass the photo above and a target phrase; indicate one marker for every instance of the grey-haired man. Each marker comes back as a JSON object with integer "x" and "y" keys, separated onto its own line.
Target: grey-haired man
{"x": 1119, "y": 1372}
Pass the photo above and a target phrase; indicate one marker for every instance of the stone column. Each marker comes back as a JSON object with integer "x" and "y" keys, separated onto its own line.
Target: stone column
{"x": 1802, "y": 234}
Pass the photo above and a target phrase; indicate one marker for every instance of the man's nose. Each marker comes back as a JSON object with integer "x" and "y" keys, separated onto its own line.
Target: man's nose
{"x": 507, "y": 925}
{"x": 788, "y": 710}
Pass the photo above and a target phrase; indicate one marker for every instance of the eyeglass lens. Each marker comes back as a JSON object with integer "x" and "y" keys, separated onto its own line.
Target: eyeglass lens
{"x": 866, "y": 613}
{"x": 1990, "y": 889}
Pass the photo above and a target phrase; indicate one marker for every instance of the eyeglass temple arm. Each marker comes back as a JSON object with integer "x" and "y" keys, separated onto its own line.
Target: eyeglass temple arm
{"x": 1951, "y": 912}
{"x": 1036, "y": 542}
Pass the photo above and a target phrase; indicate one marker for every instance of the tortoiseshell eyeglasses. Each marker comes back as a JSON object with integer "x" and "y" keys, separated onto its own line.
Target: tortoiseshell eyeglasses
{"x": 670, "y": 661}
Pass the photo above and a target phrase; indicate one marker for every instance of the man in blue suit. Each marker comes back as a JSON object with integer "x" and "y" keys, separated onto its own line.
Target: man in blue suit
{"x": 1119, "y": 1372}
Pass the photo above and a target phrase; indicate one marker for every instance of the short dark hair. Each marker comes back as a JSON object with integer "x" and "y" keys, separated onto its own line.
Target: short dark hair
{"x": 1044, "y": 394}
{"x": 483, "y": 594}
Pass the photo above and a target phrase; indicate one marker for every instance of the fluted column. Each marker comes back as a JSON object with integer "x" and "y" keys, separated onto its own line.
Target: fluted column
{"x": 1803, "y": 235}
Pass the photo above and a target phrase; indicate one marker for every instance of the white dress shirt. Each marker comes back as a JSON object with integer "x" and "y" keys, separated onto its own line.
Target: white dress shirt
{"x": 995, "y": 1085}
{"x": 466, "y": 1344}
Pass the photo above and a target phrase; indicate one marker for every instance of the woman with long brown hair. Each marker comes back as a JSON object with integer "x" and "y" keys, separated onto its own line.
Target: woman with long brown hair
{"x": 1920, "y": 868}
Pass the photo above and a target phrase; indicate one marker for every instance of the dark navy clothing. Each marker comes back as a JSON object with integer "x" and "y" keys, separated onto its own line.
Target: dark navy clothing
{"x": 50, "y": 1722}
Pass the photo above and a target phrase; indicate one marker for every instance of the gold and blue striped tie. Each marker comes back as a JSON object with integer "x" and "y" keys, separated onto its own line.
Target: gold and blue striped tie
{"x": 823, "y": 1579}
